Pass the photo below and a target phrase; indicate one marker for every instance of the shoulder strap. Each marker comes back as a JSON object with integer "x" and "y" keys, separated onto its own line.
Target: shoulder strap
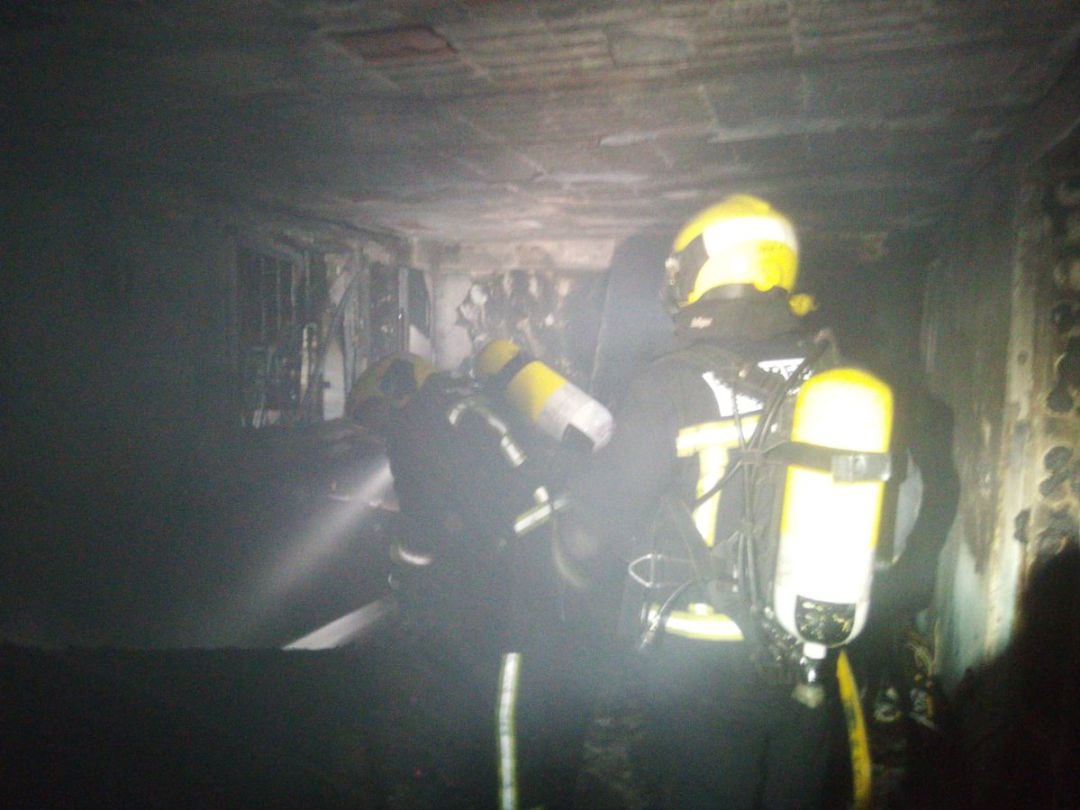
{"x": 771, "y": 388}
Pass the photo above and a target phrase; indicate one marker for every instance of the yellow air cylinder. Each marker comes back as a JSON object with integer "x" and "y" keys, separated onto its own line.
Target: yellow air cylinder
{"x": 542, "y": 395}
{"x": 832, "y": 507}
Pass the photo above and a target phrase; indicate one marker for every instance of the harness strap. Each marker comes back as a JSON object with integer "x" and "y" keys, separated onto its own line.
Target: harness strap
{"x": 845, "y": 465}
{"x": 501, "y": 379}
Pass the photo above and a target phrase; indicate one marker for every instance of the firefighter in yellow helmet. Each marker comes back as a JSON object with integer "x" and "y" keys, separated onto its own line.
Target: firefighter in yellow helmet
{"x": 475, "y": 467}
{"x": 739, "y": 249}
{"x": 743, "y": 513}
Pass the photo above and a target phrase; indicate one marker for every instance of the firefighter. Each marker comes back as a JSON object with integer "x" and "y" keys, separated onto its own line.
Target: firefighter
{"x": 475, "y": 462}
{"x": 740, "y": 494}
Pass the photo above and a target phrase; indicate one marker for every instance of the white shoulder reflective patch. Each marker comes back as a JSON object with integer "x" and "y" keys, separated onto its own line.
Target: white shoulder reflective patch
{"x": 725, "y": 399}
{"x": 785, "y": 367}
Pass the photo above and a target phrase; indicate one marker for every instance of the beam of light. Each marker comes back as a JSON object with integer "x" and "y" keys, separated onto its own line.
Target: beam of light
{"x": 314, "y": 547}
{"x": 350, "y": 627}
{"x": 331, "y": 529}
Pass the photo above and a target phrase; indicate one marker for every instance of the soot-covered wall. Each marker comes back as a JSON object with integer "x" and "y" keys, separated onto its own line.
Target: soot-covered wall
{"x": 117, "y": 395}
{"x": 1000, "y": 339}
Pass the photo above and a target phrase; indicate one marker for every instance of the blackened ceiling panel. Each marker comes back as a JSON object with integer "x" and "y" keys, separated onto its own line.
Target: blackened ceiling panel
{"x": 498, "y": 120}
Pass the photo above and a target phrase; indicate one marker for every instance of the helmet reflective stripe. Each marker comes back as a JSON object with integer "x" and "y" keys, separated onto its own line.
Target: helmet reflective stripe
{"x": 735, "y": 206}
{"x": 719, "y": 237}
{"x": 507, "y": 733}
{"x": 741, "y": 241}
{"x": 761, "y": 265}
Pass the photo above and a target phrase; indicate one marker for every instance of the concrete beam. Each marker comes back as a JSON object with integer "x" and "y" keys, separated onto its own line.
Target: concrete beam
{"x": 482, "y": 258}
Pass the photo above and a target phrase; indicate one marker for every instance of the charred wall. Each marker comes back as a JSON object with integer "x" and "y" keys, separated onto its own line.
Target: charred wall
{"x": 116, "y": 386}
{"x": 121, "y": 391}
{"x": 966, "y": 336}
{"x": 999, "y": 338}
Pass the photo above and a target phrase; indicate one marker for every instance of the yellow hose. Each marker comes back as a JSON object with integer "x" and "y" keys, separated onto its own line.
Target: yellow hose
{"x": 856, "y": 728}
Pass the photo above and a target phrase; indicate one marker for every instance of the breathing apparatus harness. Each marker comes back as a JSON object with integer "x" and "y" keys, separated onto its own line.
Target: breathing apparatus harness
{"x": 727, "y": 575}
{"x": 791, "y": 625}
{"x": 544, "y": 504}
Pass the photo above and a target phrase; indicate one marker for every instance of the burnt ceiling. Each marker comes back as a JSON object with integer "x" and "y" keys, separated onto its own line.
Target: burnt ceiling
{"x": 502, "y": 121}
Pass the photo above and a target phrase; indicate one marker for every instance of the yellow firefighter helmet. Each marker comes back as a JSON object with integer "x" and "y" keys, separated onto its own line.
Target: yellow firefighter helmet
{"x": 739, "y": 242}
{"x": 391, "y": 383}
